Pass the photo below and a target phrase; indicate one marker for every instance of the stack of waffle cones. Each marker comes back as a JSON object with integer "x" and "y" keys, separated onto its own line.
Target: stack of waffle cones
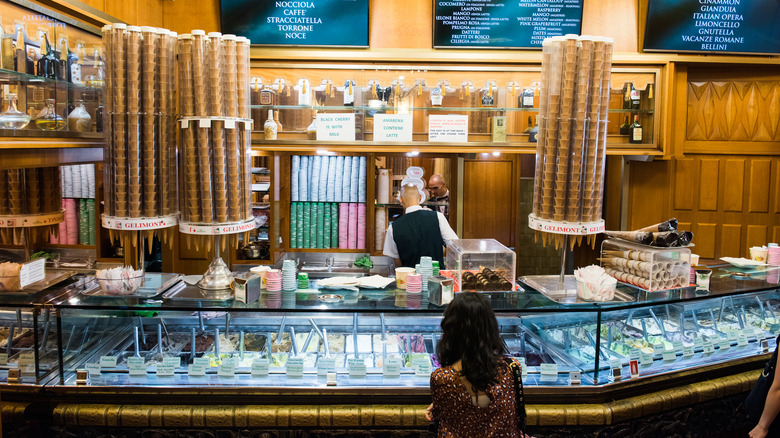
{"x": 570, "y": 152}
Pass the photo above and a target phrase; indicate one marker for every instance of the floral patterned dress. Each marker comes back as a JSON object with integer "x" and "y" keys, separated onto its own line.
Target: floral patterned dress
{"x": 459, "y": 418}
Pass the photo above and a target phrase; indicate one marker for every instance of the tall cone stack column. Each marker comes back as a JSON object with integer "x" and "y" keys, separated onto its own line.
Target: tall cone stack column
{"x": 570, "y": 153}
{"x": 139, "y": 165}
{"x": 215, "y": 132}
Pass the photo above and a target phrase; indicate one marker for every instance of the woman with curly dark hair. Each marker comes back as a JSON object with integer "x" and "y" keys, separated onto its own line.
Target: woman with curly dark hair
{"x": 474, "y": 390}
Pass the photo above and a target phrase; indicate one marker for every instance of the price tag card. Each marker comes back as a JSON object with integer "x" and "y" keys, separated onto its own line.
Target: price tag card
{"x": 392, "y": 367}
{"x": 759, "y": 334}
{"x": 108, "y": 361}
{"x": 669, "y": 355}
{"x": 260, "y": 367}
{"x": 687, "y": 351}
{"x": 196, "y": 370}
{"x": 165, "y": 370}
{"x": 708, "y": 347}
{"x": 325, "y": 365}
{"x": 658, "y": 349}
{"x": 172, "y": 361}
{"x": 204, "y": 361}
{"x": 226, "y": 369}
{"x": 3, "y": 358}
{"x": 26, "y": 359}
{"x": 575, "y": 377}
{"x": 357, "y": 367}
{"x": 724, "y": 344}
{"x": 523, "y": 367}
{"x": 633, "y": 354}
{"x": 646, "y": 359}
{"x": 698, "y": 343}
{"x": 422, "y": 367}
{"x": 231, "y": 361}
{"x": 294, "y": 367}
{"x": 732, "y": 336}
{"x": 617, "y": 374}
{"x": 32, "y": 272}
{"x": 93, "y": 369}
{"x": 742, "y": 339}
{"x": 549, "y": 372}
{"x": 677, "y": 346}
{"x": 336, "y": 127}
{"x": 136, "y": 366}
{"x": 615, "y": 363}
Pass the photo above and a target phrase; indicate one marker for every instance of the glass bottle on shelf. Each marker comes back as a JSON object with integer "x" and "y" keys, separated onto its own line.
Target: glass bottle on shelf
{"x": 436, "y": 96}
{"x": 647, "y": 101}
{"x": 529, "y": 126}
{"x": 488, "y": 100}
{"x": 311, "y": 130}
{"x": 79, "y": 119}
{"x": 48, "y": 119}
{"x": 20, "y": 52}
{"x": 349, "y": 93}
{"x": 76, "y": 60}
{"x": 624, "y": 127}
{"x": 635, "y": 96}
{"x": 12, "y": 118}
{"x": 526, "y": 99}
{"x": 48, "y": 65}
{"x": 534, "y": 131}
{"x": 278, "y": 123}
{"x": 627, "y": 87}
{"x": 635, "y": 131}
{"x": 269, "y": 127}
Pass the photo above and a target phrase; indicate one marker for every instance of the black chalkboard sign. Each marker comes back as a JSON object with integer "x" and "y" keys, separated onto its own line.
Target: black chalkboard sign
{"x": 713, "y": 26}
{"x": 503, "y": 24}
{"x": 297, "y": 22}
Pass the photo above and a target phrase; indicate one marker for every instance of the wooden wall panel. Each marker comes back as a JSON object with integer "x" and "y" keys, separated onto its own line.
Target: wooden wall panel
{"x": 648, "y": 199}
{"x": 708, "y": 189}
{"x": 734, "y": 184}
{"x": 730, "y": 237}
{"x": 756, "y": 236}
{"x": 704, "y": 238}
{"x": 776, "y": 234}
{"x": 488, "y": 216}
{"x": 777, "y": 188}
{"x": 760, "y": 177}
{"x": 685, "y": 175}
{"x": 733, "y": 110}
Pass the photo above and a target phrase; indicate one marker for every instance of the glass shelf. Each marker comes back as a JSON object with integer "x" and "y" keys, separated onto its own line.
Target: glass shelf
{"x": 410, "y": 109}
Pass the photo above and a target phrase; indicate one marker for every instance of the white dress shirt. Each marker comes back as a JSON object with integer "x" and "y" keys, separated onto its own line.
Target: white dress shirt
{"x": 447, "y": 234}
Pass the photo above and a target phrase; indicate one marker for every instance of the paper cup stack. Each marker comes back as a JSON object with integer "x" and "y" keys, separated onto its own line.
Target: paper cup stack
{"x": 273, "y": 281}
{"x": 426, "y": 271}
{"x": 289, "y": 276}
{"x": 413, "y": 283}
{"x": 773, "y": 259}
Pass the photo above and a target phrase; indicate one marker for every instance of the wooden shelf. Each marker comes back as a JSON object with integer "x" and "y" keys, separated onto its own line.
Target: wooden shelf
{"x": 27, "y": 151}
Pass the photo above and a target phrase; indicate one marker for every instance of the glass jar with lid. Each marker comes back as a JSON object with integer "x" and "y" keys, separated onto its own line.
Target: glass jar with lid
{"x": 12, "y": 118}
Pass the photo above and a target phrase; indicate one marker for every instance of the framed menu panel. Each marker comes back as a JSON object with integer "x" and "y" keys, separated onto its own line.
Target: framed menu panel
{"x": 713, "y": 26}
{"x": 340, "y": 23}
{"x": 506, "y": 24}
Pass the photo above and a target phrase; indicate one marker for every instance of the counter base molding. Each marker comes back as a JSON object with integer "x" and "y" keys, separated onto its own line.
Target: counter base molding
{"x": 706, "y": 408}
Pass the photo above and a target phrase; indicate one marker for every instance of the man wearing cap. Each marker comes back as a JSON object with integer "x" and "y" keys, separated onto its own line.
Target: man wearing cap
{"x": 417, "y": 233}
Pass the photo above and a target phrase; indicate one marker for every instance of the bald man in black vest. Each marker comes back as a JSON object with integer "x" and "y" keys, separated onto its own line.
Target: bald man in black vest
{"x": 417, "y": 233}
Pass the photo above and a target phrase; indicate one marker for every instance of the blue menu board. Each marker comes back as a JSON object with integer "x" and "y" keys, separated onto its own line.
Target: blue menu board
{"x": 713, "y": 26}
{"x": 503, "y": 24}
{"x": 297, "y": 23}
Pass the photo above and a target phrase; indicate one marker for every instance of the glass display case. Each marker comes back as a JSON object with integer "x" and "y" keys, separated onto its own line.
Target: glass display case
{"x": 387, "y": 339}
{"x": 501, "y": 102}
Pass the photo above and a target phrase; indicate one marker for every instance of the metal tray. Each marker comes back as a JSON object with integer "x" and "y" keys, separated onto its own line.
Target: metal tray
{"x": 185, "y": 292}
{"x": 154, "y": 284}
{"x": 566, "y": 294}
{"x": 35, "y": 290}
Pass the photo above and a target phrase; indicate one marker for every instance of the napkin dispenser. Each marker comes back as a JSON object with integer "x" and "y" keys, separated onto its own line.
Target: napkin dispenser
{"x": 247, "y": 287}
{"x": 441, "y": 290}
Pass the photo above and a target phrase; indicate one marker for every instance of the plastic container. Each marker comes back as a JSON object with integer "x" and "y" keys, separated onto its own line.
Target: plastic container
{"x": 470, "y": 256}
{"x": 646, "y": 267}
{"x": 589, "y": 291}
{"x": 123, "y": 286}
